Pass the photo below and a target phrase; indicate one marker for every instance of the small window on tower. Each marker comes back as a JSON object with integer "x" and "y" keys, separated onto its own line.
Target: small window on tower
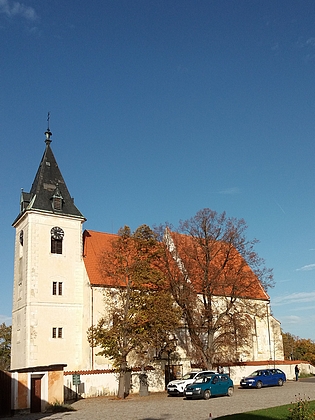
{"x": 59, "y": 332}
{"x": 57, "y": 199}
{"x": 56, "y": 246}
{"x": 57, "y": 202}
{"x": 57, "y": 288}
{"x": 21, "y": 237}
{"x": 57, "y": 235}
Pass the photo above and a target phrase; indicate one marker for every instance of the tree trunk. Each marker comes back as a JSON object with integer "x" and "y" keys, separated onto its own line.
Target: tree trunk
{"x": 121, "y": 385}
{"x": 122, "y": 381}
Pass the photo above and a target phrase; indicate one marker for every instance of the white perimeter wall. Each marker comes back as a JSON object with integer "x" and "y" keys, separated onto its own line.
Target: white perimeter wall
{"x": 106, "y": 384}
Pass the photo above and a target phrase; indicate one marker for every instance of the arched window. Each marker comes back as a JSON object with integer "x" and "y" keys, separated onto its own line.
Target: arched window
{"x": 57, "y": 235}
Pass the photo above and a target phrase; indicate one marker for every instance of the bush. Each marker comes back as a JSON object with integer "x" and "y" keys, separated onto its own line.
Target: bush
{"x": 301, "y": 409}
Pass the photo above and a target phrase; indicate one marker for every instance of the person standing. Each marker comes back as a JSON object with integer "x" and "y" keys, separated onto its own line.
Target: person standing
{"x": 297, "y": 371}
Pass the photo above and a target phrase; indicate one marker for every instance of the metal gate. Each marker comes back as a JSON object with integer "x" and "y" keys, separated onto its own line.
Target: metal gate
{"x": 173, "y": 372}
{"x": 5, "y": 393}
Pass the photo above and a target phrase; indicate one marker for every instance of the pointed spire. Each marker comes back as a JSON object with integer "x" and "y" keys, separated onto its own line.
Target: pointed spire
{"x": 48, "y": 133}
{"x": 49, "y": 192}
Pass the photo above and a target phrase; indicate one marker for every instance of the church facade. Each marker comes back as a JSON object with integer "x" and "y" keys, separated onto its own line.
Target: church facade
{"x": 58, "y": 291}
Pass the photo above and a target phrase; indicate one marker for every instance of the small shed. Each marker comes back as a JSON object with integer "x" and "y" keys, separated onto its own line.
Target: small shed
{"x": 34, "y": 388}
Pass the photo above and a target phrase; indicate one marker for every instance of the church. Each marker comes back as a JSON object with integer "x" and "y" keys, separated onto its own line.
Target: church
{"x": 58, "y": 291}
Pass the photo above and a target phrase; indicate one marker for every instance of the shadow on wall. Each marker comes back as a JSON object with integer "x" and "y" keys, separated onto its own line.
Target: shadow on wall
{"x": 5, "y": 393}
{"x": 71, "y": 395}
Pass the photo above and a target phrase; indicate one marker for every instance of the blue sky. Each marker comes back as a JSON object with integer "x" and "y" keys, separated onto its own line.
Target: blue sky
{"x": 161, "y": 108}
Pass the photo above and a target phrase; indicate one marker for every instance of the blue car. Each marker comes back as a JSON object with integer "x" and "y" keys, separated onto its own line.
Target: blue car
{"x": 211, "y": 385}
{"x": 264, "y": 377}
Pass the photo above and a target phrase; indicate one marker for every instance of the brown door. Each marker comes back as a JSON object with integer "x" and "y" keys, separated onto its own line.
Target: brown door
{"x": 36, "y": 395}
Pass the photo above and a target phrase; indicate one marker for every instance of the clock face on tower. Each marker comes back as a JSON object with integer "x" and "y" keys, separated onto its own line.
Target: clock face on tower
{"x": 57, "y": 233}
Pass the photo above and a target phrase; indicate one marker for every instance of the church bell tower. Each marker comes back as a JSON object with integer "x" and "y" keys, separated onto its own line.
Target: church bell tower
{"x": 48, "y": 273}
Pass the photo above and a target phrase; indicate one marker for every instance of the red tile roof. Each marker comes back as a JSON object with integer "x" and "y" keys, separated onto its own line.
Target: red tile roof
{"x": 95, "y": 243}
{"x": 235, "y": 279}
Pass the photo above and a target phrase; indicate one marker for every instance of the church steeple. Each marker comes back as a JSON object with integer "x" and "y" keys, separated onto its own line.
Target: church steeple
{"x": 49, "y": 272}
{"x": 49, "y": 192}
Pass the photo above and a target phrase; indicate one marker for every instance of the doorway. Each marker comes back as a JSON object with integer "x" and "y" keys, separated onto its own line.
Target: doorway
{"x": 36, "y": 400}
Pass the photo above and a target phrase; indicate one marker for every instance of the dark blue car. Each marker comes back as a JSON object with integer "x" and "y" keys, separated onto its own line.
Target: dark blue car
{"x": 264, "y": 377}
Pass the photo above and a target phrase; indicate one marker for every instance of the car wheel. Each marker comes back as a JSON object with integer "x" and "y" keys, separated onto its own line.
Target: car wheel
{"x": 280, "y": 382}
{"x": 230, "y": 391}
{"x": 259, "y": 385}
{"x": 207, "y": 394}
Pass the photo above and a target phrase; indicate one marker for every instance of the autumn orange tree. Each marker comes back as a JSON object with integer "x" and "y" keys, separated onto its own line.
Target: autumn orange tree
{"x": 218, "y": 281}
{"x": 296, "y": 348}
{"x": 140, "y": 312}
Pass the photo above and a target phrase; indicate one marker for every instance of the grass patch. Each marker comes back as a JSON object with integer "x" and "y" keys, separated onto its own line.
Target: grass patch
{"x": 306, "y": 375}
{"x": 282, "y": 412}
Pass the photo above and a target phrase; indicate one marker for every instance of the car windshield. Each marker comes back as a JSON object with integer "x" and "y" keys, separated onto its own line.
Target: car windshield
{"x": 190, "y": 375}
{"x": 203, "y": 379}
{"x": 256, "y": 373}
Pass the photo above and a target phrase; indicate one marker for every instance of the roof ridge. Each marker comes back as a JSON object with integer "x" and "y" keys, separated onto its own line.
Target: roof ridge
{"x": 102, "y": 233}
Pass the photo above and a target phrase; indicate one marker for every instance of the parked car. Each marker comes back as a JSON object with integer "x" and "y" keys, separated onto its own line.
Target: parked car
{"x": 177, "y": 386}
{"x": 264, "y": 377}
{"x": 210, "y": 385}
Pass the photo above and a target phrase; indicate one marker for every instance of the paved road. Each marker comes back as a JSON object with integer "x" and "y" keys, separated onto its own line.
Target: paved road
{"x": 160, "y": 407}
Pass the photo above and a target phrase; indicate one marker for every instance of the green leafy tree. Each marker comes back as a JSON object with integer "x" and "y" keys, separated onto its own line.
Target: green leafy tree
{"x": 140, "y": 311}
{"x": 289, "y": 344}
{"x": 5, "y": 346}
{"x": 214, "y": 273}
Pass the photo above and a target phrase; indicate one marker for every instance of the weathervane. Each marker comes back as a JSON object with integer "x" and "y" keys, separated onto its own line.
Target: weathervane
{"x": 48, "y": 133}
